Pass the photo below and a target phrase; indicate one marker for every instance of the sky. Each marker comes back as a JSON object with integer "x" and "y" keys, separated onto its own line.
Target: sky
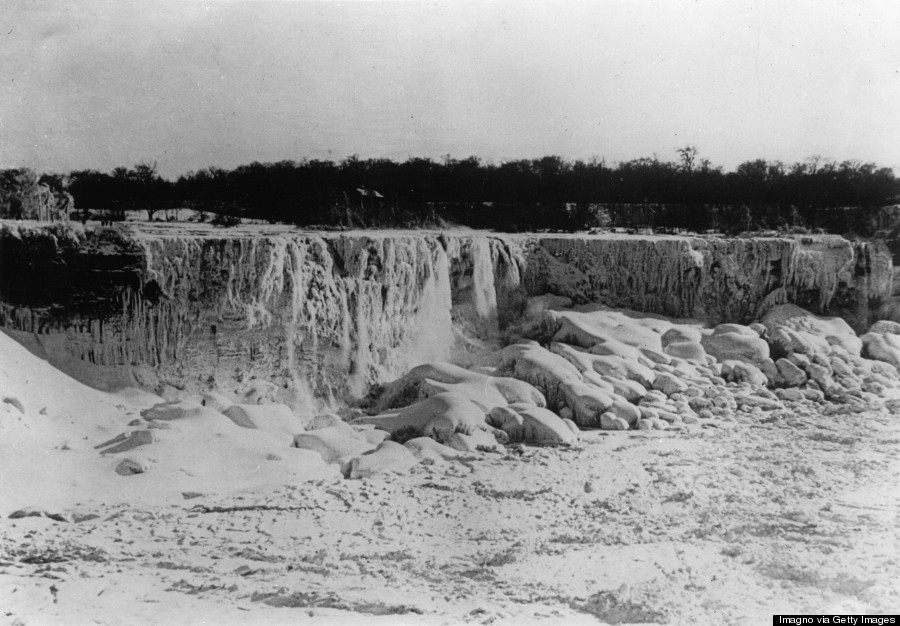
{"x": 195, "y": 84}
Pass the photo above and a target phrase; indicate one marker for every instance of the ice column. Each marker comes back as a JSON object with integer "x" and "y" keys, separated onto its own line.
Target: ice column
{"x": 485, "y": 294}
{"x": 431, "y": 337}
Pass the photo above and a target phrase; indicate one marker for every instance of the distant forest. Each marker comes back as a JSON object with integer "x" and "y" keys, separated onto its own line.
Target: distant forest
{"x": 548, "y": 193}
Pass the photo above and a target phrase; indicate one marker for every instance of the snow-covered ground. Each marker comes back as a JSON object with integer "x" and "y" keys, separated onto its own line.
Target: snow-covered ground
{"x": 785, "y": 506}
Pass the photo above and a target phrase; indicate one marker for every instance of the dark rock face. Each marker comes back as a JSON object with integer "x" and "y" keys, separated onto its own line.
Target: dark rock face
{"x": 54, "y": 278}
{"x": 327, "y": 314}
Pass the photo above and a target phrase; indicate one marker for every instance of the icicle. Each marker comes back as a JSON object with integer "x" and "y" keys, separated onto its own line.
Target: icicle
{"x": 358, "y": 382}
{"x": 430, "y": 336}
{"x": 483, "y": 279}
{"x": 304, "y": 403}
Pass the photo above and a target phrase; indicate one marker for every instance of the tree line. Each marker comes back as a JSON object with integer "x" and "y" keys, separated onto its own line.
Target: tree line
{"x": 687, "y": 192}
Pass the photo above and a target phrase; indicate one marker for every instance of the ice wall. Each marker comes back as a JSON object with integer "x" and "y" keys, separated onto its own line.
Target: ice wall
{"x": 714, "y": 279}
{"x": 323, "y": 316}
{"x": 326, "y": 315}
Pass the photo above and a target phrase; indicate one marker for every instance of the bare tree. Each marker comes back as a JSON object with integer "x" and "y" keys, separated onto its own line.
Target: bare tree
{"x": 688, "y": 156}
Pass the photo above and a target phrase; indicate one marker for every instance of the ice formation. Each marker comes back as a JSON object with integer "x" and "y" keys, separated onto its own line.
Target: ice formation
{"x": 326, "y": 315}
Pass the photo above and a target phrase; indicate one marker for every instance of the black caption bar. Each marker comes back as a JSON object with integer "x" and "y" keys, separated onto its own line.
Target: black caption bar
{"x": 848, "y": 620}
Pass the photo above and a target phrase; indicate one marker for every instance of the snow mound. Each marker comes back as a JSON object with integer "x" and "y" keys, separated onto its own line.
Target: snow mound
{"x": 63, "y": 443}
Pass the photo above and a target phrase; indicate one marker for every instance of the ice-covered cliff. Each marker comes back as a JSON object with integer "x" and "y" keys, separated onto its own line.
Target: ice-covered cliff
{"x": 715, "y": 279}
{"x": 325, "y": 315}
